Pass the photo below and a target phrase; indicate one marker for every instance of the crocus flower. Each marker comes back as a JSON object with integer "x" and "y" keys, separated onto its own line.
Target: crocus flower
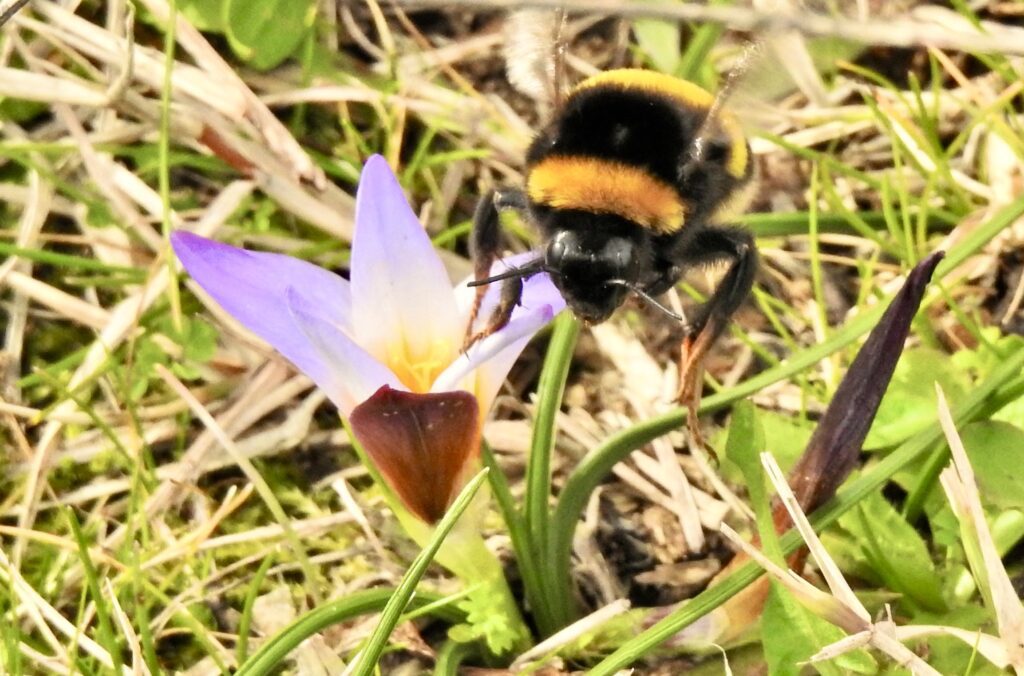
{"x": 386, "y": 347}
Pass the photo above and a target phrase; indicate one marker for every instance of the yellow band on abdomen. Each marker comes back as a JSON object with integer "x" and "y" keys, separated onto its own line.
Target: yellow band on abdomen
{"x": 606, "y": 187}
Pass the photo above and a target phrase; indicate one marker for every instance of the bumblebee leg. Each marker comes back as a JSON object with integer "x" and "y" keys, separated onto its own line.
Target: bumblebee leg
{"x": 484, "y": 247}
{"x": 511, "y": 294}
{"x": 711, "y": 319}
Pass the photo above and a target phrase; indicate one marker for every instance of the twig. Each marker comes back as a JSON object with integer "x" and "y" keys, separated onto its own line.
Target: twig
{"x": 7, "y": 13}
{"x": 572, "y": 633}
{"x": 895, "y": 32}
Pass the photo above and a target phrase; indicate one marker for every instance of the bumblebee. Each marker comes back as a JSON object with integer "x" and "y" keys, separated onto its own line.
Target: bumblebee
{"x": 629, "y": 186}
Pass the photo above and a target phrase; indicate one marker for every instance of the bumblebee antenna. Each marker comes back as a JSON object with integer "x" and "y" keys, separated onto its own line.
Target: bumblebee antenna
{"x": 512, "y": 273}
{"x": 647, "y": 298}
{"x": 732, "y": 78}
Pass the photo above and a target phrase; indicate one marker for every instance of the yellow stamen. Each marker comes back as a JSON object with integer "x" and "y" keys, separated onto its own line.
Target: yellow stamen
{"x": 418, "y": 372}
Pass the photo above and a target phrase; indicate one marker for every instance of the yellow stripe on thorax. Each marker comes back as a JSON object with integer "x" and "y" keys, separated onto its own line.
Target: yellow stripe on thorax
{"x": 683, "y": 91}
{"x": 606, "y": 187}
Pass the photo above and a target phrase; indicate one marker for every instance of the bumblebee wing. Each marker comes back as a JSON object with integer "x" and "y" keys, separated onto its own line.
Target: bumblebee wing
{"x": 534, "y": 52}
{"x": 743, "y": 103}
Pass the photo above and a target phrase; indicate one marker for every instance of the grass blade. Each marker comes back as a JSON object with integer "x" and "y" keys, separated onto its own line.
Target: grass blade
{"x": 274, "y": 651}
{"x": 552, "y": 603}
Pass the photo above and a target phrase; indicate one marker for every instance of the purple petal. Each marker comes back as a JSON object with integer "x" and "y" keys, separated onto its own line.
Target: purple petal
{"x": 259, "y": 290}
{"x": 252, "y": 286}
{"x": 491, "y": 374}
{"x": 343, "y": 370}
{"x": 401, "y": 296}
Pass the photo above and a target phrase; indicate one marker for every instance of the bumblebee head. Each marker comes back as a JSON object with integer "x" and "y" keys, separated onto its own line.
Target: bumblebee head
{"x": 594, "y": 272}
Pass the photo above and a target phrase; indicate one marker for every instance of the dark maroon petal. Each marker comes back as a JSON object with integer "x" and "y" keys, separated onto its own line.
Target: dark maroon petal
{"x": 834, "y": 448}
{"x": 420, "y": 443}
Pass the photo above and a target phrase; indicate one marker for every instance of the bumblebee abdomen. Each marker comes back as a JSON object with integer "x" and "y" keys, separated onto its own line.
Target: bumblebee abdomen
{"x": 623, "y": 126}
{"x": 620, "y": 145}
{"x": 691, "y": 102}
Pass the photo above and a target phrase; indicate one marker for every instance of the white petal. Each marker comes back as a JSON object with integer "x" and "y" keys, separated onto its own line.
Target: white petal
{"x": 343, "y": 370}
{"x": 484, "y": 366}
{"x": 401, "y": 297}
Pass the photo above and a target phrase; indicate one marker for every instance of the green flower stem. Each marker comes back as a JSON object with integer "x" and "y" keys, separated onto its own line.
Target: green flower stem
{"x": 530, "y": 573}
{"x": 450, "y": 657}
{"x": 463, "y": 552}
{"x": 551, "y": 611}
{"x": 971, "y": 408}
{"x": 599, "y": 462}
{"x": 398, "y": 602}
{"x": 270, "y": 655}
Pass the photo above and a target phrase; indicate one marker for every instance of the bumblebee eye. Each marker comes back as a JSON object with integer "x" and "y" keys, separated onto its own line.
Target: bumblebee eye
{"x": 708, "y": 149}
{"x": 557, "y": 248}
{"x": 717, "y": 150}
